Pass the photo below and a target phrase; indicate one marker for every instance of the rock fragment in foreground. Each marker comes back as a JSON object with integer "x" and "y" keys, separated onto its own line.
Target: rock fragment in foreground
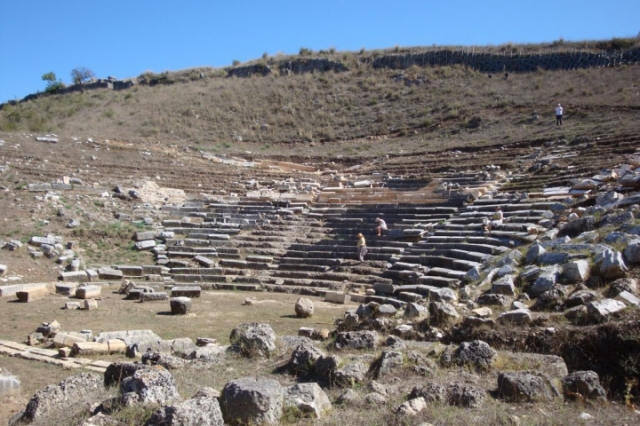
{"x": 252, "y": 400}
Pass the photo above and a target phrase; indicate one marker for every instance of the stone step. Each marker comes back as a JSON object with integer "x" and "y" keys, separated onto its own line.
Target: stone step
{"x": 447, "y": 273}
{"x": 441, "y": 262}
{"x": 452, "y": 253}
{"x": 301, "y": 290}
{"x": 425, "y": 247}
{"x": 439, "y": 281}
{"x": 328, "y": 261}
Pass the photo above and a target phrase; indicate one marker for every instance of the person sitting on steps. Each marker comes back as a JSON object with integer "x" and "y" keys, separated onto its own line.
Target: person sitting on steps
{"x": 496, "y": 220}
{"x": 382, "y": 226}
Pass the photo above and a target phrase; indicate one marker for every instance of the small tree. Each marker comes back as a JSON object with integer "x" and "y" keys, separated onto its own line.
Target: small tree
{"x": 53, "y": 84}
{"x": 80, "y": 75}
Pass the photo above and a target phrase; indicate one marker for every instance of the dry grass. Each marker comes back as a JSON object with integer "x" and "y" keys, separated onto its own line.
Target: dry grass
{"x": 456, "y": 106}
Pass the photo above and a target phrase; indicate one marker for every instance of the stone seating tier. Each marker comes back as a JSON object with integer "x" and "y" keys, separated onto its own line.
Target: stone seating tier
{"x": 487, "y": 249}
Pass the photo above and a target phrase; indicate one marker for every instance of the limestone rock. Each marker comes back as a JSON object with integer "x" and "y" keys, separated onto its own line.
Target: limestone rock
{"x": 477, "y": 354}
{"x": 167, "y": 361}
{"x": 252, "y": 400}
{"x": 118, "y": 371}
{"x": 308, "y": 398}
{"x": 375, "y": 398}
{"x": 304, "y": 307}
{"x": 347, "y": 397}
{"x": 411, "y": 407}
{"x": 387, "y": 363}
{"x": 68, "y": 392}
{"x": 431, "y": 392}
{"x": 585, "y": 383}
{"x": 600, "y": 310}
{"x": 504, "y": 286}
{"x": 304, "y": 357}
{"x": 350, "y": 374}
{"x": 150, "y": 385}
{"x": 516, "y": 317}
{"x": 546, "y": 280}
{"x": 523, "y": 386}
{"x": 326, "y": 367}
{"x": 462, "y": 395}
{"x": 611, "y": 264}
{"x": 197, "y": 411}
{"x": 357, "y": 340}
{"x": 575, "y": 272}
{"x": 254, "y": 339}
{"x": 535, "y": 251}
{"x": 632, "y": 253}
{"x": 443, "y": 313}
{"x": 180, "y": 305}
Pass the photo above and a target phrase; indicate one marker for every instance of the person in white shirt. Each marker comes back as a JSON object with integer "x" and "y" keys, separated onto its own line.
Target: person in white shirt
{"x": 382, "y": 226}
{"x": 559, "y": 111}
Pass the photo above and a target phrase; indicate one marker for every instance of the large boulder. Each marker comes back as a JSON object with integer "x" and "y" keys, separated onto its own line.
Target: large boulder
{"x": 71, "y": 391}
{"x": 504, "y": 285}
{"x": 584, "y": 383}
{"x": 252, "y": 400}
{"x": 515, "y": 317}
{"x": 523, "y": 386}
{"x": 308, "y": 398}
{"x": 535, "y": 251}
{"x": 254, "y": 339}
{"x": 443, "y": 313}
{"x": 197, "y": 411}
{"x": 151, "y": 385}
{"x": 304, "y": 307}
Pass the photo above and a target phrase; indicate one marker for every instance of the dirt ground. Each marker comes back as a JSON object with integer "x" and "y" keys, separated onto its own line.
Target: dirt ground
{"x": 214, "y": 315}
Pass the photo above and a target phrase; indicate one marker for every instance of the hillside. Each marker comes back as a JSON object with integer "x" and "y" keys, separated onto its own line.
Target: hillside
{"x": 245, "y": 193}
{"x": 419, "y": 109}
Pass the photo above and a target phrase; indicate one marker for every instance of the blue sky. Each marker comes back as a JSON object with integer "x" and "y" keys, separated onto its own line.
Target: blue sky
{"x": 127, "y": 38}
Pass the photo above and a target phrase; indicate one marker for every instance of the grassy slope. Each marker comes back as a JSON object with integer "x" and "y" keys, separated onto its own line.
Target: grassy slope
{"x": 358, "y": 109}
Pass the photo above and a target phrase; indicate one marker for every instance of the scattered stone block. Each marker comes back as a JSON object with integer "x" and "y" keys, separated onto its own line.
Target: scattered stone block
{"x": 153, "y": 297}
{"x": 94, "y": 348}
{"x": 110, "y": 274}
{"x": 90, "y": 304}
{"x": 68, "y": 339}
{"x": 336, "y": 297}
{"x": 68, "y": 289}
{"x": 30, "y": 295}
{"x": 72, "y": 305}
{"x": 186, "y": 291}
{"x": 88, "y": 292}
{"x": 180, "y": 305}
{"x": 145, "y": 245}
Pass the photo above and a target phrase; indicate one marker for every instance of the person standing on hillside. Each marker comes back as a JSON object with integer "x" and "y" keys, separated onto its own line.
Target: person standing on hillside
{"x": 362, "y": 247}
{"x": 496, "y": 220}
{"x": 559, "y": 111}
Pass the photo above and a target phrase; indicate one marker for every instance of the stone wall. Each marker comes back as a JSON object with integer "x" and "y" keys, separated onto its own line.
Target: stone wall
{"x": 491, "y": 62}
